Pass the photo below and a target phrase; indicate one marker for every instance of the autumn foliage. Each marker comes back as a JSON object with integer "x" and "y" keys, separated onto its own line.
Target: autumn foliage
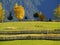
{"x": 39, "y": 15}
{"x": 2, "y": 13}
{"x": 57, "y": 11}
{"x": 19, "y": 11}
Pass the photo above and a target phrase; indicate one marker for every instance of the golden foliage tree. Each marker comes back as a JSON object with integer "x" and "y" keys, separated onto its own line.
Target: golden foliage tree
{"x": 19, "y": 11}
{"x": 2, "y": 12}
{"x": 57, "y": 12}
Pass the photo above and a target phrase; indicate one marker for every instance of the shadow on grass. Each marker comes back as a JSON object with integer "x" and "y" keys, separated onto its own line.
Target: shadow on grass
{"x": 28, "y": 39}
{"x": 5, "y": 40}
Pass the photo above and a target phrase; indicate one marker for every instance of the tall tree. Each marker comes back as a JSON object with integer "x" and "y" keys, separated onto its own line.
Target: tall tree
{"x": 2, "y": 13}
{"x": 57, "y": 12}
{"x": 19, "y": 11}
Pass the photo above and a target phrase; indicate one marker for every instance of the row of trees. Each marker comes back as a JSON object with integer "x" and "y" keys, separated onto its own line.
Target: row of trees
{"x": 20, "y": 12}
{"x": 39, "y": 15}
{"x": 42, "y": 17}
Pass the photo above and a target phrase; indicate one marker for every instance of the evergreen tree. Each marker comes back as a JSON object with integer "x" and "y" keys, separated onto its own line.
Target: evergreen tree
{"x": 50, "y": 19}
{"x": 26, "y": 17}
{"x": 36, "y": 15}
{"x": 10, "y": 16}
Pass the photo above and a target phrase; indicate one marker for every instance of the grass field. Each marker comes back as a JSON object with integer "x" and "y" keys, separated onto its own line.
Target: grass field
{"x": 14, "y": 26}
{"x": 30, "y": 25}
{"x": 30, "y": 42}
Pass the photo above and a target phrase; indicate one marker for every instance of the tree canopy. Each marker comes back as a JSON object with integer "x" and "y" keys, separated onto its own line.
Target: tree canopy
{"x": 2, "y": 12}
{"x": 19, "y": 11}
{"x": 57, "y": 11}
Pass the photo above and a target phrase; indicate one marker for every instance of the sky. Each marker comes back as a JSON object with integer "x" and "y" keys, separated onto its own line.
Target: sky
{"x": 31, "y": 6}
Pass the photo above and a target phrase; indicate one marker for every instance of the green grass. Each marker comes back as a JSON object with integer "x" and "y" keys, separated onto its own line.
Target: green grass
{"x": 30, "y": 42}
{"x": 30, "y": 25}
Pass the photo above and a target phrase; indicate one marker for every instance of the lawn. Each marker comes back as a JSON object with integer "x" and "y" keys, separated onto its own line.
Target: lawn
{"x": 30, "y": 42}
{"x": 34, "y": 25}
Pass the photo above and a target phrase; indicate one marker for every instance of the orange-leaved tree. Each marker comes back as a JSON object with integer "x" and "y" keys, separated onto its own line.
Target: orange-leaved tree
{"x": 39, "y": 15}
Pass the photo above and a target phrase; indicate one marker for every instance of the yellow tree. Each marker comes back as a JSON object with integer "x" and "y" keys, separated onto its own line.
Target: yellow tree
{"x": 19, "y": 11}
{"x": 2, "y": 12}
{"x": 57, "y": 12}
